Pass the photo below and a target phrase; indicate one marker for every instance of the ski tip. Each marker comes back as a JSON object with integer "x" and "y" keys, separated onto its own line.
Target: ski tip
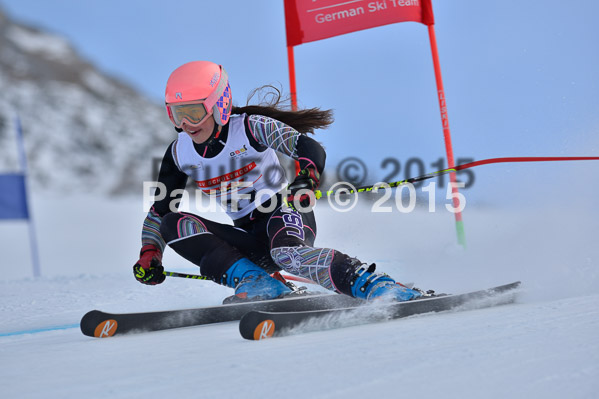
{"x": 253, "y": 326}
{"x": 96, "y": 324}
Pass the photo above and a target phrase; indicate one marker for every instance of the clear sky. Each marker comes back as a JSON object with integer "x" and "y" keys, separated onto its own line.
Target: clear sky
{"x": 521, "y": 77}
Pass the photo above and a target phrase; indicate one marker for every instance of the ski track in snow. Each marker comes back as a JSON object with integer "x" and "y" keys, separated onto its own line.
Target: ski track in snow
{"x": 545, "y": 345}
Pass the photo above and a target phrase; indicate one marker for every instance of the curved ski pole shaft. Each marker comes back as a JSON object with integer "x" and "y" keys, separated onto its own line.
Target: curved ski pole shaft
{"x": 319, "y": 194}
{"x": 198, "y": 277}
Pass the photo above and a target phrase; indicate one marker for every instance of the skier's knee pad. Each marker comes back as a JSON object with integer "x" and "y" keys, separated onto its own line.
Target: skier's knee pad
{"x": 175, "y": 226}
{"x": 289, "y": 259}
{"x": 305, "y": 261}
{"x": 188, "y": 236}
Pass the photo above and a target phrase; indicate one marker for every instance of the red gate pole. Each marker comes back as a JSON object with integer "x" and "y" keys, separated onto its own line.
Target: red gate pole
{"x": 447, "y": 135}
{"x": 291, "y": 61}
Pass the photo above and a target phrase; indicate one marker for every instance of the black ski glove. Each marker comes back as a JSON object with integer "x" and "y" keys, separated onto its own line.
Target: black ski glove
{"x": 148, "y": 269}
{"x": 307, "y": 179}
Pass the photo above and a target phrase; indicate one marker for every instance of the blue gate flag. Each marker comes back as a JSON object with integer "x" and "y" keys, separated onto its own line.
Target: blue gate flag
{"x": 13, "y": 197}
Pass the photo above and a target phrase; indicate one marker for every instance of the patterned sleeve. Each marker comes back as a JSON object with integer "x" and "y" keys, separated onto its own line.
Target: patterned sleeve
{"x": 150, "y": 233}
{"x": 173, "y": 179}
{"x": 274, "y": 134}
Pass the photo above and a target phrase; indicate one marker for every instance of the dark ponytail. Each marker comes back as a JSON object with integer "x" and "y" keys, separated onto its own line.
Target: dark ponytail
{"x": 272, "y": 105}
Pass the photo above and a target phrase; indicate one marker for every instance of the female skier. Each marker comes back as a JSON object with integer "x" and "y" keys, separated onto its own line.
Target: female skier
{"x": 229, "y": 152}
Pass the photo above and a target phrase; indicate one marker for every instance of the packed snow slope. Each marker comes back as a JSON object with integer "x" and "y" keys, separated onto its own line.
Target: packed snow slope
{"x": 545, "y": 345}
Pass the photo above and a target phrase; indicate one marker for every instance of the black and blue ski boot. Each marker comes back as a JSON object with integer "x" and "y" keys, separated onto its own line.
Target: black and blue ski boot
{"x": 252, "y": 283}
{"x": 369, "y": 285}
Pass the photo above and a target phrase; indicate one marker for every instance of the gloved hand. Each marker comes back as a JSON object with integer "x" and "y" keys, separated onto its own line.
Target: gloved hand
{"x": 148, "y": 269}
{"x": 309, "y": 179}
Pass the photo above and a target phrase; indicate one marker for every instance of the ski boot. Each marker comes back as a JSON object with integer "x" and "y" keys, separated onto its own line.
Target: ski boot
{"x": 369, "y": 285}
{"x": 252, "y": 283}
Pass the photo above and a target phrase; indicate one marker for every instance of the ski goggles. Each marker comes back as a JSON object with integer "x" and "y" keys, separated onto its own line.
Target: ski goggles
{"x": 194, "y": 113}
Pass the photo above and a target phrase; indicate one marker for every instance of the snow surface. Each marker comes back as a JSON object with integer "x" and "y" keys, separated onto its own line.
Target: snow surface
{"x": 546, "y": 345}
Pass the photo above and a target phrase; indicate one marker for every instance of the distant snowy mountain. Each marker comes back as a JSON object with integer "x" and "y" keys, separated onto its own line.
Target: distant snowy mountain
{"x": 84, "y": 131}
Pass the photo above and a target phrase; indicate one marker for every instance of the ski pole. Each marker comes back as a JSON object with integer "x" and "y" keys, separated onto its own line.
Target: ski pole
{"x": 185, "y": 275}
{"x": 198, "y": 277}
{"x": 319, "y": 194}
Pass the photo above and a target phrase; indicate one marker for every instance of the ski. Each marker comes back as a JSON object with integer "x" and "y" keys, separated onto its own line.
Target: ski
{"x": 260, "y": 324}
{"x": 101, "y": 324}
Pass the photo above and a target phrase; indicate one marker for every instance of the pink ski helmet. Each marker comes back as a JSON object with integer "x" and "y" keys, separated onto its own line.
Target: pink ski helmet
{"x": 196, "y": 90}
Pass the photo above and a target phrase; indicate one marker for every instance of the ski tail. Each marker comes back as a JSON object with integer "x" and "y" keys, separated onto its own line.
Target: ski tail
{"x": 101, "y": 324}
{"x": 98, "y": 324}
